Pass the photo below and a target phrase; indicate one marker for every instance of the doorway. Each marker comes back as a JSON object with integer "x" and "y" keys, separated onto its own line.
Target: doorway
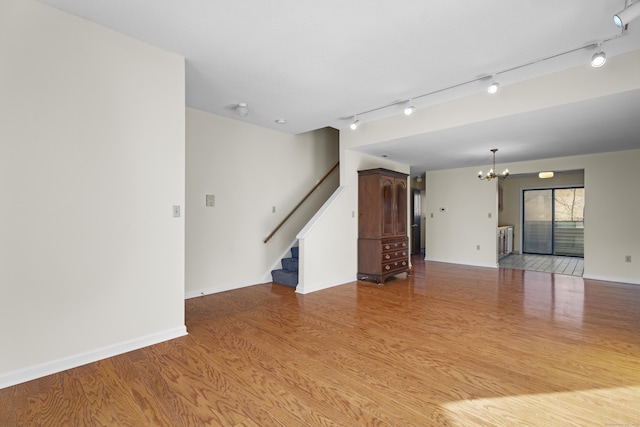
{"x": 416, "y": 219}
{"x": 553, "y": 221}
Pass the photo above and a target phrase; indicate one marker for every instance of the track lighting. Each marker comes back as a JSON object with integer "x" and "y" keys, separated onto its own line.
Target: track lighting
{"x": 355, "y": 123}
{"x": 242, "y": 109}
{"x": 627, "y": 15}
{"x": 494, "y": 86}
{"x": 409, "y": 108}
{"x": 599, "y": 58}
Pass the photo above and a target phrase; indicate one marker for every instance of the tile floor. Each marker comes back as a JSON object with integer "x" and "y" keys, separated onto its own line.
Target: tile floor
{"x": 573, "y": 266}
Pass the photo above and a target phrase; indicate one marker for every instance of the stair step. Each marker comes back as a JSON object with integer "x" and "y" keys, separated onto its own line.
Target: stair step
{"x": 290, "y": 264}
{"x": 294, "y": 252}
{"x": 284, "y": 277}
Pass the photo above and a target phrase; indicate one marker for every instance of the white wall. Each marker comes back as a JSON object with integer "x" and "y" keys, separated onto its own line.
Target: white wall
{"x": 462, "y": 215}
{"x": 91, "y": 162}
{"x": 250, "y": 170}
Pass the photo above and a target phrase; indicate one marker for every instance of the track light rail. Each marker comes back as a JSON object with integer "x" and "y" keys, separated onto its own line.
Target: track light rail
{"x": 596, "y": 45}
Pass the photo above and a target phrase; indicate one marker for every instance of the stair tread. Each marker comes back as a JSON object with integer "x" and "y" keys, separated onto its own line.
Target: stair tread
{"x": 290, "y": 264}
{"x": 285, "y": 277}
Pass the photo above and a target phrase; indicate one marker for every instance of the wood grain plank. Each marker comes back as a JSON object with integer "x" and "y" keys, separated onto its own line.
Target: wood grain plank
{"x": 8, "y": 406}
{"x": 27, "y": 403}
{"x": 54, "y": 408}
{"x": 449, "y": 345}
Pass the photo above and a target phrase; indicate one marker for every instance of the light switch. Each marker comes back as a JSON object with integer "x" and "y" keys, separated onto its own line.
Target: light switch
{"x": 176, "y": 211}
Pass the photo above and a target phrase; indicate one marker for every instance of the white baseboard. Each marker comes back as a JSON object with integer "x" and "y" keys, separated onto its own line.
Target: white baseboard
{"x": 224, "y": 288}
{"x": 460, "y": 262}
{"x": 59, "y": 365}
{"x": 627, "y": 280}
{"x": 308, "y": 289}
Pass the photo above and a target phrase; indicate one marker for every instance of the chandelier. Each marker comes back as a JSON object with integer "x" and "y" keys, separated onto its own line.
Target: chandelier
{"x": 491, "y": 174}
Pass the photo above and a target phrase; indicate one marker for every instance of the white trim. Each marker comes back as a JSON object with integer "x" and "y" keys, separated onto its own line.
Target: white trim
{"x": 230, "y": 287}
{"x": 325, "y": 207}
{"x": 59, "y": 365}
{"x": 621, "y": 280}
{"x": 278, "y": 264}
{"x": 326, "y": 285}
{"x": 449, "y": 261}
{"x": 218, "y": 289}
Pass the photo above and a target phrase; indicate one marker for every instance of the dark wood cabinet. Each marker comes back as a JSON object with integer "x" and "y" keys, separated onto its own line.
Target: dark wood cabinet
{"x": 383, "y": 245}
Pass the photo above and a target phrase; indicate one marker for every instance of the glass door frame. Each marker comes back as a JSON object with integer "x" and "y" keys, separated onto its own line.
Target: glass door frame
{"x": 552, "y": 187}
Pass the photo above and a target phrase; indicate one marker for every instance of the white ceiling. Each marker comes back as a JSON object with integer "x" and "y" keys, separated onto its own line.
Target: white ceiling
{"x": 316, "y": 64}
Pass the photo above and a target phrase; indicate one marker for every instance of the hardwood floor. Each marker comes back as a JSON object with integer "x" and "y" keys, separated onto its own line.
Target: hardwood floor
{"x": 449, "y": 345}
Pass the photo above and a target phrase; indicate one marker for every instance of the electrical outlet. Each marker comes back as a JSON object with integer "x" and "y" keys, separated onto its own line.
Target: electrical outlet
{"x": 210, "y": 200}
{"x": 489, "y": 215}
{"x": 478, "y": 247}
{"x": 273, "y": 209}
{"x": 431, "y": 214}
{"x": 627, "y": 258}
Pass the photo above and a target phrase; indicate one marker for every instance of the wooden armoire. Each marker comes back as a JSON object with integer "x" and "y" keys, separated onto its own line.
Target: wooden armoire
{"x": 383, "y": 245}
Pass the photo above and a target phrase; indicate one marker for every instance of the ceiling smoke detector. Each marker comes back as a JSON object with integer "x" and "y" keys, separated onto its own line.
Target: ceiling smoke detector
{"x": 242, "y": 109}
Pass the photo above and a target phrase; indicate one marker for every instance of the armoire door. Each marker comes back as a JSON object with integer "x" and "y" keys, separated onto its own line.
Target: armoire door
{"x": 401, "y": 207}
{"x": 387, "y": 187}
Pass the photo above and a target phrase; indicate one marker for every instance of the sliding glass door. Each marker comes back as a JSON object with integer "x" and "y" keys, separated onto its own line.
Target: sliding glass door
{"x": 553, "y": 221}
{"x": 538, "y": 222}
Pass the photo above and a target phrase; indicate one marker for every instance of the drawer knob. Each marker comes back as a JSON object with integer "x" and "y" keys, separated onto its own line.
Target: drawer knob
{"x": 387, "y": 247}
{"x": 386, "y": 267}
{"x": 404, "y": 244}
{"x": 387, "y": 256}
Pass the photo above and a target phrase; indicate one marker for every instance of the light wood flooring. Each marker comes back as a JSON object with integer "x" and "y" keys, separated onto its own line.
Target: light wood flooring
{"x": 573, "y": 266}
{"x": 450, "y": 345}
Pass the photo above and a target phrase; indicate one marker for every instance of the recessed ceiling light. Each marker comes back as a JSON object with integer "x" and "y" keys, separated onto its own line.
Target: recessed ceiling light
{"x": 242, "y": 109}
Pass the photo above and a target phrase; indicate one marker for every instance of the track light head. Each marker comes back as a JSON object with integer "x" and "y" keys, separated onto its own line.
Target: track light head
{"x": 493, "y": 87}
{"x": 621, "y": 19}
{"x": 598, "y": 59}
{"x": 354, "y": 124}
{"x": 408, "y": 110}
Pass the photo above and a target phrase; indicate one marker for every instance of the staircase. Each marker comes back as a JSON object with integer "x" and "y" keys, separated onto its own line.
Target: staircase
{"x": 288, "y": 274}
